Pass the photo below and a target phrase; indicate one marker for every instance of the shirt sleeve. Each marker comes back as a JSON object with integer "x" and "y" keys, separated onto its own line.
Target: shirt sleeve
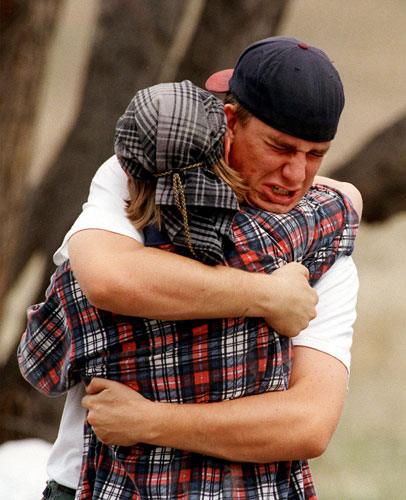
{"x": 332, "y": 330}
{"x": 45, "y": 350}
{"x": 335, "y": 228}
{"x": 105, "y": 207}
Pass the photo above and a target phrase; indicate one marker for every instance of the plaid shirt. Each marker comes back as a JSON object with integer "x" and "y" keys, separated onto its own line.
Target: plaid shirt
{"x": 67, "y": 340}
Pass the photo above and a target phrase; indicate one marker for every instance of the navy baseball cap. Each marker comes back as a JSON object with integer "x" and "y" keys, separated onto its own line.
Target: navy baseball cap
{"x": 288, "y": 85}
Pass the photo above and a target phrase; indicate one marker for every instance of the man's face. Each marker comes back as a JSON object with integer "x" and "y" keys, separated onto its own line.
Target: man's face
{"x": 278, "y": 167}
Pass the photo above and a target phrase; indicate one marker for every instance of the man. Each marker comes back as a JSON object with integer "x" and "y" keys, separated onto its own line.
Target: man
{"x": 301, "y": 158}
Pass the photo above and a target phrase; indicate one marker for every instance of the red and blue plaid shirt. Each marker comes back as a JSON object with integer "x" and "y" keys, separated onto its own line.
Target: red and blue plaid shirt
{"x": 68, "y": 341}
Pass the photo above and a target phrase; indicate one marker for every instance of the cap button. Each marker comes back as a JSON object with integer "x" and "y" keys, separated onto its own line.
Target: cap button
{"x": 303, "y": 45}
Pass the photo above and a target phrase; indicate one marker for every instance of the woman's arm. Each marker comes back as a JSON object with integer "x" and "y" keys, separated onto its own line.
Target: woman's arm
{"x": 45, "y": 348}
{"x": 345, "y": 187}
{"x": 119, "y": 274}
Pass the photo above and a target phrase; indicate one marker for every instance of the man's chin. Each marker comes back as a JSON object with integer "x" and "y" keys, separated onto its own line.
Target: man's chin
{"x": 269, "y": 206}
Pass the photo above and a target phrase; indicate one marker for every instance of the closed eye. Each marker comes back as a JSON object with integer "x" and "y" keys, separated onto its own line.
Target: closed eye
{"x": 315, "y": 154}
{"x": 280, "y": 149}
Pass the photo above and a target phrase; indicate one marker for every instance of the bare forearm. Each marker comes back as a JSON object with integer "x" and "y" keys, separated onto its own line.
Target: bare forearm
{"x": 175, "y": 288}
{"x": 262, "y": 428}
{"x": 286, "y": 425}
{"x": 120, "y": 275}
{"x": 148, "y": 282}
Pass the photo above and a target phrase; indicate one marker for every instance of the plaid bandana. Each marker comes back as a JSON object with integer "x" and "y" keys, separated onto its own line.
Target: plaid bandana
{"x": 173, "y": 134}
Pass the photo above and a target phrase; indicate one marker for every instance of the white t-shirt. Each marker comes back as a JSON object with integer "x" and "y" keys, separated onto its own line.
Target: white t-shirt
{"x": 331, "y": 331}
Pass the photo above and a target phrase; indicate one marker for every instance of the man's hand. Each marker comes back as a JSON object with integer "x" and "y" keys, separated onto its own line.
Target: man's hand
{"x": 275, "y": 426}
{"x": 116, "y": 411}
{"x": 295, "y": 300}
{"x": 139, "y": 282}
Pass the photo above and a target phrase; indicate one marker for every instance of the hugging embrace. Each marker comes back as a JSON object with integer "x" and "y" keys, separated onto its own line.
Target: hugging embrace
{"x": 218, "y": 408}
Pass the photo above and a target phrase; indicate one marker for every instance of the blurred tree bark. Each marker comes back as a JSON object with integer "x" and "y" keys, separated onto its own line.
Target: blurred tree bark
{"x": 26, "y": 28}
{"x": 378, "y": 171}
{"x": 138, "y": 43}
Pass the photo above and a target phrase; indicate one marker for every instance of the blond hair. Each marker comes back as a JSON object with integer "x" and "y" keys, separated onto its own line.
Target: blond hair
{"x": 141, "y": 208}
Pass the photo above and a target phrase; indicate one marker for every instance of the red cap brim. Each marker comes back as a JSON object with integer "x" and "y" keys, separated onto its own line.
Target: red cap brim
{"x": 219, "y": 81}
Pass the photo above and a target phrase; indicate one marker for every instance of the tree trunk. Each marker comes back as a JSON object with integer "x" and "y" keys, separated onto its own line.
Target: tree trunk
{"x": 26, "y": 28}
{"x": 378, "y": 171}
{"x": 25, "y": 34}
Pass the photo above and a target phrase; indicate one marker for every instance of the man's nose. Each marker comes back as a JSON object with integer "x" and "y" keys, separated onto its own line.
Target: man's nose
{"x": 294, "y": 169}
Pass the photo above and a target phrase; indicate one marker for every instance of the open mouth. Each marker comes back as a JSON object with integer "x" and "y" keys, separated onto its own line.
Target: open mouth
{"x": 279, "y": 190}
{"x": 278, "y": 194}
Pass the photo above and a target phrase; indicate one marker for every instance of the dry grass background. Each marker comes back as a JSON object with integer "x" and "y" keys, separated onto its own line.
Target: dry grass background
{"x": 367, "y": 456}
{"x": 367, "y": 41}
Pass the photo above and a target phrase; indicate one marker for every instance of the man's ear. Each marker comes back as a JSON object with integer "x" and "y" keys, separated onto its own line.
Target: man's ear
{"x": 232, "y": 120}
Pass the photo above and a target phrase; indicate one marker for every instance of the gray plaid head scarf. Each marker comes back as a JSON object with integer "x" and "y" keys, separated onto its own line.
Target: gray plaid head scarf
{"x": 172, "y": 134}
